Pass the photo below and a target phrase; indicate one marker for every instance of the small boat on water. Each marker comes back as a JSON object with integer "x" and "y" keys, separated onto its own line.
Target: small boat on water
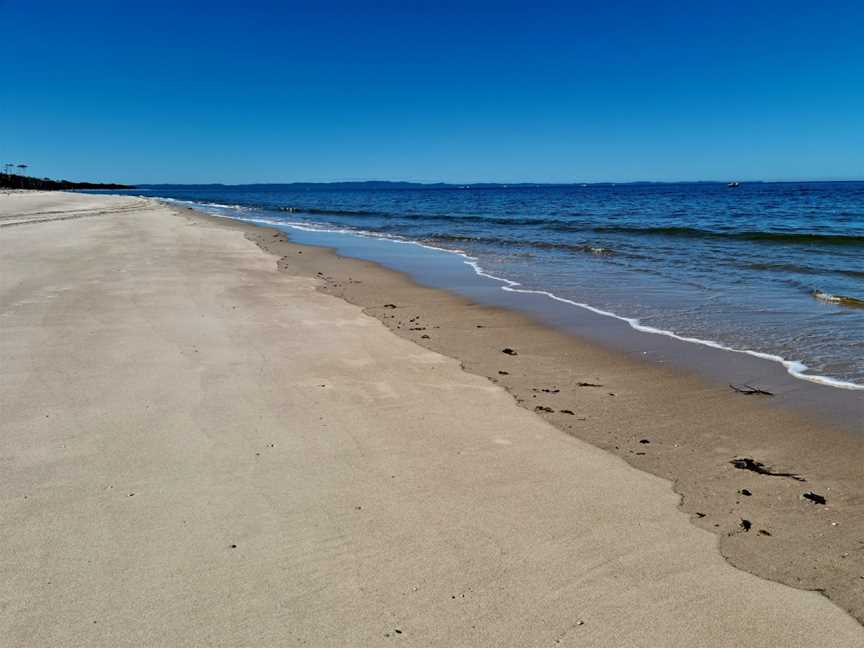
{"x": 734, "y": 184}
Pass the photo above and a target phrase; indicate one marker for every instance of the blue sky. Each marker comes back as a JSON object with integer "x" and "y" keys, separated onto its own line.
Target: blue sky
{"x": 583, "y": 91}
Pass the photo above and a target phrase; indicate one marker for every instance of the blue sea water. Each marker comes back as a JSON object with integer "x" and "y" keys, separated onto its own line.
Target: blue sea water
{"x": 772, "y": 268}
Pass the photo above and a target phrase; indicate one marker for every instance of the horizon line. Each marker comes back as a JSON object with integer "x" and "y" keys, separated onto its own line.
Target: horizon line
{"x": 517, "y": 183}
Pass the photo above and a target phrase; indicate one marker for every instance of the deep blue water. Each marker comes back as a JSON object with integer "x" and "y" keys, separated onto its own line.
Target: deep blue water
{"x": 776, "y": 268}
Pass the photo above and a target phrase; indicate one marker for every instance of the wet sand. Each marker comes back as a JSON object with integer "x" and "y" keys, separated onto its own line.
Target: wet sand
{"x": 203, "y": 447}
{"x": 669, "y": 422}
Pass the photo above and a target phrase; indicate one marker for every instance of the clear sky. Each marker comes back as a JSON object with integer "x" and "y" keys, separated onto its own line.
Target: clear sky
{"x": 257, "y": 91}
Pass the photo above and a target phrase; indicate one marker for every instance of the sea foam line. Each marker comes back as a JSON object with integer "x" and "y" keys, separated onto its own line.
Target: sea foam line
{"x": 795, "y": 368}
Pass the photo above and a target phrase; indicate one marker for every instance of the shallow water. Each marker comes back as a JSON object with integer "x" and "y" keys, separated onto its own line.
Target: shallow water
{"x": 774, "y": 268}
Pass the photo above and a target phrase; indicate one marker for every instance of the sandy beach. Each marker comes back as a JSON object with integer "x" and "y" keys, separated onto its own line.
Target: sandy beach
{"x": 211, "y": 436}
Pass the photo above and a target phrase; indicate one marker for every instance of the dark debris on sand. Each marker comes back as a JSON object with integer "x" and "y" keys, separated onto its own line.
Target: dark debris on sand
{"x": 746, "y": 463}
{"x": 814, "y": 497}
{"x": 749, "y": 390}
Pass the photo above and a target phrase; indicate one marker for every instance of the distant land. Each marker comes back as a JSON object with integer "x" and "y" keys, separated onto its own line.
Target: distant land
{"x": 14, "y": 181}
{"x": 390, "y": 184}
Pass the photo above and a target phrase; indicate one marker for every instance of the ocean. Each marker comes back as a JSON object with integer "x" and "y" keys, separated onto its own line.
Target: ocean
{"x": 772, "y": 269}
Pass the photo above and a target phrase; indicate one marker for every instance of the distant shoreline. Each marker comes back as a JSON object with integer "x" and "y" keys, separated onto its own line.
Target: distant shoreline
{"x": 388, "y": 184}
{"x": 15, "y": 181}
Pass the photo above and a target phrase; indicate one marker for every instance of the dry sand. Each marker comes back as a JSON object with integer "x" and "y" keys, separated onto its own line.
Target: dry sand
{"x": 200, "y": 450}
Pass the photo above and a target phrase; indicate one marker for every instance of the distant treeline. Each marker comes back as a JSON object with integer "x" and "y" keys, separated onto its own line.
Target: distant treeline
{"x": 13, "y": 181}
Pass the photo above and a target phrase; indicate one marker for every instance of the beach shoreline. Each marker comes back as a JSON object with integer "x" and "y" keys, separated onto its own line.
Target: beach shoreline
{"x": 676, "y": 424}
{"x": 818, "y": 397}
{"x": 583, "y": 259}
{"x": 209, "y": 443}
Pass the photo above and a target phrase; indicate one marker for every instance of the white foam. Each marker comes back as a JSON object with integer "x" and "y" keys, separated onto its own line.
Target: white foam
{"x": 795, "y": 368}
{"x": 240, "y": 208}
